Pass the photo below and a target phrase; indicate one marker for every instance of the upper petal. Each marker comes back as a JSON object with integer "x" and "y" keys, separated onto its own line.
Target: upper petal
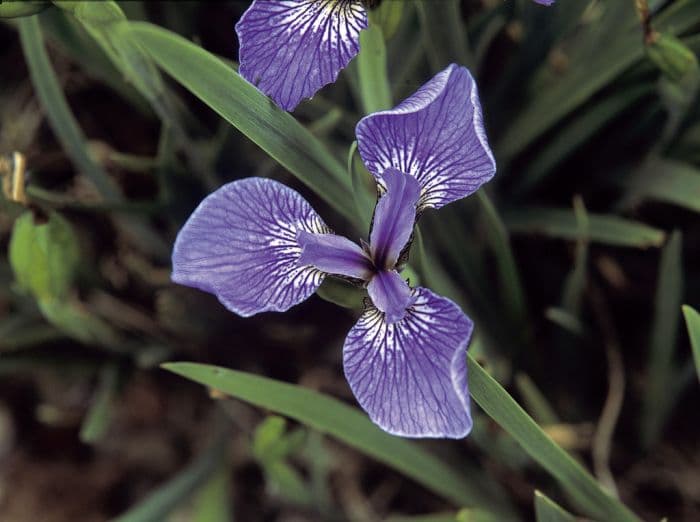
{"x": 292, "y": 48}
{"x": 394, "y": 217}
{"x": 411, "y": 376}
{"x": 334, "y": 255}
{"x": 241, "y": 245}
{"x": 436, "y": 135}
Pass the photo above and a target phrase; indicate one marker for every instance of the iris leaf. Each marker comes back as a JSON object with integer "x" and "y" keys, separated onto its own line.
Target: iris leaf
{"x": 692, "y": 321}
{"x": 71, "y": 136}
{"x": 546, "y": 510}
{"x": 164, "y": 500}
{"x": 375, "y": 91}
{"x": 352, "y": 427}
{"x": 57, "y": 110}
{"x": 659, "y": 398}
{"x": 97, "y": 420}
{"x": 603, "y": 228}
{"x": 667, "y": 181}
{"x": 607, "y": 57}
{"x": 583, "y": 489}
{"x": 251, "y": 112}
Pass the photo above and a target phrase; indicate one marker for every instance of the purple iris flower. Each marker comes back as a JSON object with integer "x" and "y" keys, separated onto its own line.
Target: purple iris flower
{"x": 292, "y": 48}
{"x": 259, "y": 246}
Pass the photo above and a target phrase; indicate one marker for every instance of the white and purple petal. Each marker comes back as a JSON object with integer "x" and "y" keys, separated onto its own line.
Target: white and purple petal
{"x": 241, "y": 245}
{"x": 391, "y": 295}
{"x": 290, "y": 49}
{"x": 334, "y": 255}
{"x": 394, "y": 217}
{"x": 436, "y": 135}
{"x": 411, "y": 376}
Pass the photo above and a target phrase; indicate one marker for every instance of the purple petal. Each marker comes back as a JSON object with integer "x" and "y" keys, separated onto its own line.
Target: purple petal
{"x": 545, "y": 2}
{"x": 292, "y": 48}
{"x": 436, "y": 135}
{"x": 334, "y": 255}
{"x": 411, "y": 376}
{"x": 394, "y": 217}
{"x": 241, "y": 245}
{"x": 390, "y": 294}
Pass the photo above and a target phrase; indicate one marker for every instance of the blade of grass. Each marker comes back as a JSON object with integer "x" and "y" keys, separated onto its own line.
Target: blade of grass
{"x": 512, "y": 293}
{"x": 247, "y": 109}
{"x": 20, "y": 9}
{"x": 692, "y": 321}
{"x": 573, "y": 136}
{"x": 603, "y": 228}
{"x": 352, "y": 427}
{"x": 668, "y": 181}
{"x": 546, "y": 510}
{"x": 213, "y": 502}
{"x": 444, "y": 34}
{"x": 535, "y": 401}
{"x": 614, "y": 54}
{"x": 57, "y": 110}
{"x": 371, "y": 70}
{"x": 583, "y": 489}
{"x": 98, "y": 418}
{"x": 161, "y": 502}
{"x": 664, "y": 332}
{"x": 71, "y": 136}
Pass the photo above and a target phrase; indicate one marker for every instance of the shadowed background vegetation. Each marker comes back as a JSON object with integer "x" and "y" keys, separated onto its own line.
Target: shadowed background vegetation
{"x": 574, "y": 263}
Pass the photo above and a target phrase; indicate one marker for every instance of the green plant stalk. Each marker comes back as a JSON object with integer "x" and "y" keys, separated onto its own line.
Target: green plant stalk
{"x": 374, "y": 88}
{"x": 512, "y": 292}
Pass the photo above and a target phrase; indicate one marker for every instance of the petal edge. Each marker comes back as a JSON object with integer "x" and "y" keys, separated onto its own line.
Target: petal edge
{"x": 411, "y": 377}
{"x": 241, "y": 245}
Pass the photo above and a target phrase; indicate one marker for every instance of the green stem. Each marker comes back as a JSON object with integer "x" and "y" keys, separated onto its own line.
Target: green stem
{"x": 375, "y": 91}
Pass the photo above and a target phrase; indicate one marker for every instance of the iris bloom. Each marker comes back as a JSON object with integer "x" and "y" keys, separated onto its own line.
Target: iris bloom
{"x": 259, "y": 246}
{"x": 290, "y": 49}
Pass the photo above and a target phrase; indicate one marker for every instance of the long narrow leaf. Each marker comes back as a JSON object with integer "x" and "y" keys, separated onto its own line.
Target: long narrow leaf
{"x": 573, "y": 478}
{"x": 160, "y": 503}
{"x": 59, "y": 114}
{"x": 668, "y": 181}
{"x": 351, "y": 426}
{"x": 546, "y": 510}
{"x": 561, "y": 223}
{"x": 658, "y": 399}
{"x": 371, "y": 70}
{"x": 615, "y": 53}
{"x": 692, "y": 321}
{"x": 251, "y": 112}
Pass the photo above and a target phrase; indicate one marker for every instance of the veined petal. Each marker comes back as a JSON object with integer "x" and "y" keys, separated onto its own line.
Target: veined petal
{"x": 394, "y": 217}
{"x": 292, "y": 48}
{"x": 241, "y": 245}
{"x": 411, "y": 376}
{"x": 334, "y": 255}
{"x": 436, "y": 135}
{"x": 390, "y": 294}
